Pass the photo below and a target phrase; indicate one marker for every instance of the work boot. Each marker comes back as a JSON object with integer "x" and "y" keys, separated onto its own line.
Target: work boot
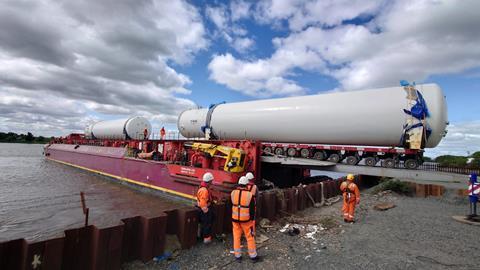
{"x": 238, "y": 259}
{"x": 256, "y": 259}
{"x": 345, "y": 220}
{"x": 207, "y": 240}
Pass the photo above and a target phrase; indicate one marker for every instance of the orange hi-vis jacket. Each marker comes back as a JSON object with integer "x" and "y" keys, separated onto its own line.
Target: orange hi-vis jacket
{"x": 204, "y": 198}
{"x": 243, "y": 205}
{"x": 351, "y": 193}
{"x": 252, "y": 188}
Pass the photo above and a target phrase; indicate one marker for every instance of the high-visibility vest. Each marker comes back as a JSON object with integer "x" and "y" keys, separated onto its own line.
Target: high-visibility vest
{"x": 201, "y": 202}
{"x": 241, "y": 199}
{"x": 349, "y": 189}
{"x": 253, "y": 189}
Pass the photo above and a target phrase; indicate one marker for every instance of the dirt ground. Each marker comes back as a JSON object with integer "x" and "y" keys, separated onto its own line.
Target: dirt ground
{"x": 418, "y": 233}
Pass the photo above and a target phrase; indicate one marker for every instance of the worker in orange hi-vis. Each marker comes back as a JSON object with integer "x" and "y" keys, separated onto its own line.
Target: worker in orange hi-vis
{"x": 351, "y": 197}
{"x": 205, "y": 213}
{"x": 252, "y": 188}
{"x": 162, "y": 133}
{"x": 243, "y": 211}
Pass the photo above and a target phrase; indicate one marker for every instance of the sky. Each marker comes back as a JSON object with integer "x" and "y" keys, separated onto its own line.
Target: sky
{"x": 65, "y": 64}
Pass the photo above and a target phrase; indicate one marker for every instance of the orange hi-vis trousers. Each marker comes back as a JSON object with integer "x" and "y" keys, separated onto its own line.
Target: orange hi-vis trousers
{"x": 348, "y": 208}
{"x": 247, "y": 229}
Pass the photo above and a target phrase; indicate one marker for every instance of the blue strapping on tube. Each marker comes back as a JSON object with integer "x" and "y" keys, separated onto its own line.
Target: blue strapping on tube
{"x": 419, "y": 110}
{"x": 209, "y": 116}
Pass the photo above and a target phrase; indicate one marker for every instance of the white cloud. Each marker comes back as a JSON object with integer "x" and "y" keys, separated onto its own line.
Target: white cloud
{"x": 227, "y": 26}
{"x": 256, "y": 78}
{"x": 301, "y": 14}
{"x": 462, "y": 139}
{"x": 243, "y": 44}
{"x": 64, "y": 62}
{"x": 240, "y": 9}
{"x": 405, "y": 40}
{"x": 218, "y": 15}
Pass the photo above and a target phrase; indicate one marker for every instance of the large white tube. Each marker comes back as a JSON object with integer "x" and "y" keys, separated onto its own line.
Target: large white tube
{"x": 120, "y": 129}
{"x": 374, "y": 117}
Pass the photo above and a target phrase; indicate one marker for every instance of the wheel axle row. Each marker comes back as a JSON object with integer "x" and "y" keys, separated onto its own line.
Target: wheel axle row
{"x": 387, "y": 160}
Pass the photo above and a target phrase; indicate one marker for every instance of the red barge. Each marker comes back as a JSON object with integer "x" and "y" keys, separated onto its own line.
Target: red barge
{"x": 175, "y": 168}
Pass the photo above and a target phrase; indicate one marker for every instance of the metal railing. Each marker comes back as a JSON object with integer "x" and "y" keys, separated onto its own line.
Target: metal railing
{"x": 427, "y": 166}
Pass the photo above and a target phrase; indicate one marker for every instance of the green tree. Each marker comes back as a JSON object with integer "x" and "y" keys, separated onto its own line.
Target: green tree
{"x": 29, "y": 137}
{"x": 449, "y": 160}
{"x": 476, "y": 155}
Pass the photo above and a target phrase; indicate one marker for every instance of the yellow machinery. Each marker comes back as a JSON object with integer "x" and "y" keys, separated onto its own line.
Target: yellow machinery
{"x": 235, "y": 158}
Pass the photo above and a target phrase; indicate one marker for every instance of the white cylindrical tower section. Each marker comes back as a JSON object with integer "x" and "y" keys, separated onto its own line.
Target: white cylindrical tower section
{"x": 374, "y": 117}
{"x": 120, "y": 129}
{"x": 88, "y": 131}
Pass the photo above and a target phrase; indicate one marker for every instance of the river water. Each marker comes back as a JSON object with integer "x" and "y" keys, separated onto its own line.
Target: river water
{"x": 39, "y": 198}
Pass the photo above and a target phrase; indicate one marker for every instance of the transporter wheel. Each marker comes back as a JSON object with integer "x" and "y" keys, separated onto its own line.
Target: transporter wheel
{"x": 279, "y": 151}
{"x": 335, "y": 158}
{"x": 267, "y": 150}
{"x": 352, "y": 160}
{"x": 319, "y": 155}
{"x": 370, "y": 161}
{"x": 411, "y": 164}
{"x": 291, "y": 152}
{"x": 388, "y": 163}
{"x": 304, "y": 153}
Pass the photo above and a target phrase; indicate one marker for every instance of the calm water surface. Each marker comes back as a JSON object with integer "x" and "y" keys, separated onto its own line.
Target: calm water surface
{"x": 39, "y": 198}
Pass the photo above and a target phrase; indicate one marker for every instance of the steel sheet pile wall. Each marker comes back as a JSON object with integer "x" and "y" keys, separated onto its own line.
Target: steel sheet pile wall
{"x": 136, "y": 238}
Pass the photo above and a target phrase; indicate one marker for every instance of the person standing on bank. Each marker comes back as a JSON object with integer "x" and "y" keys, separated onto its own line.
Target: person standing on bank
{"x": 351, "y": 197}
{"x": 243, "y": 211}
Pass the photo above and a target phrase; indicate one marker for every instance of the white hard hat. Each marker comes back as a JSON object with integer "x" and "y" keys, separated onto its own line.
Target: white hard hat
{"x": 207, "y": 177}
{"x": 249, "y": 176}
{"x": 243, "y": 180}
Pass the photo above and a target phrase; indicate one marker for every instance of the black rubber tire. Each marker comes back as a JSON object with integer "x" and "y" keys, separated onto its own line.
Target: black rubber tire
{"x": 279, "y": 151}
{"x": 335, "y": 158}
{"x": 411, "y": 164}
{"x": 319, "y": 155}
{"x": 370, "y": 161}
{"x": 305, "y": 153}
{"x": 291, "y": 152}
{"x": 267, "y": 150}
{"x": 388, "y": 163}
{"x": 352, "y": 160}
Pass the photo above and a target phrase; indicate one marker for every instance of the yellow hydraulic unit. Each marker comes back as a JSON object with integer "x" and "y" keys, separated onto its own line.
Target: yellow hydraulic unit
{"x": 235, "y": 158}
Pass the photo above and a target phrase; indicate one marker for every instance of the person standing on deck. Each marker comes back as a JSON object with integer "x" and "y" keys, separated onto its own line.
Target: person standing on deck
{"x": 162, "y": 133}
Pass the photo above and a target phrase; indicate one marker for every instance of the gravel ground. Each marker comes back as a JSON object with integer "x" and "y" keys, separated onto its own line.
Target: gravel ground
{"x": 418, "y": 233}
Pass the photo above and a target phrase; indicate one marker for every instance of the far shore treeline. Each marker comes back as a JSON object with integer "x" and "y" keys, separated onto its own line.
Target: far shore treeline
{"x": 472, "y": 160}
{"x": 12, "y": 137}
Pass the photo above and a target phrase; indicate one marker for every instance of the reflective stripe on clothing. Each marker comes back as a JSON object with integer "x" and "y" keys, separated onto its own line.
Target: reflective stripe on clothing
{"x": 245, "y": 228}
{"x": 241, "y": 199}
